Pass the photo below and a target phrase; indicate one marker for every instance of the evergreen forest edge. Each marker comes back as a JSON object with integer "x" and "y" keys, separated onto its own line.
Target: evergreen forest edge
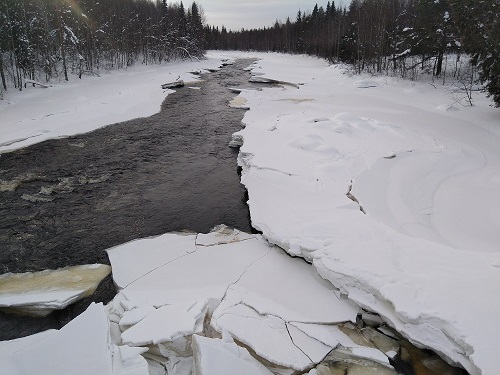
{"x": 41, "y": 40}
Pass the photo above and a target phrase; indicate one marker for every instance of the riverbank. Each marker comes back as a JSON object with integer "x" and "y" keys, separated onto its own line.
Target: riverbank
{"x": 65, "y": 201}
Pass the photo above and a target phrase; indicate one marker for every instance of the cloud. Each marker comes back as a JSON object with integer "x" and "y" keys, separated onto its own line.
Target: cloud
{"x": 237, "y": 14}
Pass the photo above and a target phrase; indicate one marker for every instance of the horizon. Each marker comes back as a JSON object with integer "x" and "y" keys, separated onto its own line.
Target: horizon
{"x": 256, "y": 14}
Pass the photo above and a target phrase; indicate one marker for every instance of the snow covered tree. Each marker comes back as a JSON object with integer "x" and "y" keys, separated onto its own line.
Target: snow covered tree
{"x": 479, "y": 23}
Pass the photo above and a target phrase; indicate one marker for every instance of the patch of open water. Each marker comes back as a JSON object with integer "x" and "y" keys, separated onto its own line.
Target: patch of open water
{"x": 64, "y": 201}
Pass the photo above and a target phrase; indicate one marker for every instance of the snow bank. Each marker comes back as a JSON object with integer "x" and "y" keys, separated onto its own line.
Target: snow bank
{"x": 81, "y": 347}
{"x": 80, "y": 106}
{"x": 393, "y": 200}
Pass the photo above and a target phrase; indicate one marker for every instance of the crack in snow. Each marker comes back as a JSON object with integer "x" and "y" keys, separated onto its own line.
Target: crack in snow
{"x": 225, "y": 243}
{"x": 354, "y": 199}
{"x": 157, "y": 268}
{"x": 242, "y": 274}
{"x": 293, "y": 342}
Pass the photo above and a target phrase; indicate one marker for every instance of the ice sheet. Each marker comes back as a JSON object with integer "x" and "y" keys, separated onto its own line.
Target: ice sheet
{"x": 392, "y": 199}
{"x": 39, "y": 293}
{"x": 220, "y": 357}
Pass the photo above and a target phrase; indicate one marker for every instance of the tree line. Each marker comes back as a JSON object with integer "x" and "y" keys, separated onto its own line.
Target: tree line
{"x": 45, "y": 39}
{"x": 402, "y": 37}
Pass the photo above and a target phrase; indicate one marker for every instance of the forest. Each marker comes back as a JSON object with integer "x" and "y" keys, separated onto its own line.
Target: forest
{"x": 41, "y": 40}
{"x": 397, "y": 37}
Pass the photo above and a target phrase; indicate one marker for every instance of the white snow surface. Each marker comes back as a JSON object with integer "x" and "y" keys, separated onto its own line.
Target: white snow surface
{"x": 81, "y": 347}
{"x": 83, "y": 105}
{"x": 224, "y": 357}
{"x": 317, "y": 153}
{"x": 425, "y": 253}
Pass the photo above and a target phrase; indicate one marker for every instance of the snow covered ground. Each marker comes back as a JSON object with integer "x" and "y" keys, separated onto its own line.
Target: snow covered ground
{"x": 389, "y": 187}
{"x": 80, "y": 106}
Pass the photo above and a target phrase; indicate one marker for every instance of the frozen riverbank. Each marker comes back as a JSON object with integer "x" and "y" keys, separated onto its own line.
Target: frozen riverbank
{"x": 80, "y": 106}
{"x": 389, "y": 188}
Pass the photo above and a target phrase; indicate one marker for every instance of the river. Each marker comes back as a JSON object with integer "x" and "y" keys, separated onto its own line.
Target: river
{"x": 64, "y": 201}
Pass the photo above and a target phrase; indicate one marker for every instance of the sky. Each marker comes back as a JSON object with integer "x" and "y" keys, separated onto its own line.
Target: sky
{"x": 248, "y": 14}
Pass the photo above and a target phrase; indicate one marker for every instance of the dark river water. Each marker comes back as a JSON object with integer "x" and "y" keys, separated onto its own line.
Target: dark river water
{"x": 63, "y": 202}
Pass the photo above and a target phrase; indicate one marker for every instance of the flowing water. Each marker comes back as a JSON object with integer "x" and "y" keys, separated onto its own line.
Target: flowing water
{"x": 63, "y": 202}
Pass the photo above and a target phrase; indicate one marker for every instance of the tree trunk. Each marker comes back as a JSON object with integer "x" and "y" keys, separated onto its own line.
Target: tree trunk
{"x": 2, "y": 73}
{"x": 62, "y": 45}
{"x": 439, "y": 66}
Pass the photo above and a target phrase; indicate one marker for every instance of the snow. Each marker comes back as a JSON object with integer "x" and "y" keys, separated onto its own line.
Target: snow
{"x": 163, "y": 325}
{"x": 416, "y": 239}
{"x": 388, "y": 187}
{"x": 80, "y": 106}
{"x": 53, "y": 355}
{"x": 224, "y": 357}
{"x": 39, "y": 293}
{"x": 253, "y": 291}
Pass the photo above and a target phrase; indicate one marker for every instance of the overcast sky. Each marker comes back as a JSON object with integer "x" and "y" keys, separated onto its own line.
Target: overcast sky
{"x": 235, "y": 14}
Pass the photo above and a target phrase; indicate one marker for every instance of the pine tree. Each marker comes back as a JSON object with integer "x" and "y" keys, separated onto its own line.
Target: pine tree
{"x": 479, "y": 23}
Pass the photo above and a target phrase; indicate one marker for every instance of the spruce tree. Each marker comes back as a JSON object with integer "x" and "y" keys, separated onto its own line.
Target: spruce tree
{"x": 480, "y": 30}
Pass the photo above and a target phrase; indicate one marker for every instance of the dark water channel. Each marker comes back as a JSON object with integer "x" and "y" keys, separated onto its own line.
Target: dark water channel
{"x": 63, "y": 202}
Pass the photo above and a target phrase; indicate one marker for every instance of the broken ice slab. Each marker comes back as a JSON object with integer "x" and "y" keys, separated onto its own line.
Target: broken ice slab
{"x": 8, "y": 348}
{"x": 198, "y": 276}
{"x": 236, "y": 141}
{"x": 133, "y": 260}
{"x": 267, "y": 336}
{"x": 171, "y": 325}
{"x": 221, "y": 235}
{"x": 81, "y": 347}
{"x": 239, "y": 102}
{"x": 263, "y": 310}
{"x": 173, "y": 85}
{"x": 39, "y": 293}
{"x": 128, "y": 361}
{"x": 290, "y": 288}
{"x": 224, "y": 357}
{"x": 343, "y": 368}
{"x": 259, "y": 79}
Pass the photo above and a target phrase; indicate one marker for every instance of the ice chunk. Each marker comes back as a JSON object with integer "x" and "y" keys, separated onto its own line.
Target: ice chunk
{"x": 188, "y": 278}
{"x": 268, "y": 336}
{"x": 165, "y": 325}
{"x": 147, "y": 255}
{"x": 224, "y": 357}
{"x": 81, "y": 347}
{"x": 39, "y": 293}
{"x": 134, "y": 316}
{"x": 8, "y": 348}
{"x": 239, "y": 102}
{"x": 236, "y": 140}
{"x": 128, "y": 361}
{"x": 291, "y": 289}
{"x": 327, "y": 334}
{"x": 222, "y": 235}
{"x": 315, "y": 350}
